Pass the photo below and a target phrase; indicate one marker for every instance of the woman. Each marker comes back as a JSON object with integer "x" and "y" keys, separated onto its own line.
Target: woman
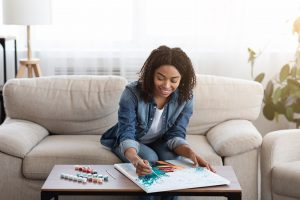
{"x": 154, "y": 113}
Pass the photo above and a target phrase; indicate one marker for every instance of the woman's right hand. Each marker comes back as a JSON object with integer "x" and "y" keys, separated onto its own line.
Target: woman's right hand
{"x": 142, "y": 166}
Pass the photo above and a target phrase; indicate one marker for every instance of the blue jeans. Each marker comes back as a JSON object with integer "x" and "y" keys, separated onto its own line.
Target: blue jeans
{"x": 152, "y": 152}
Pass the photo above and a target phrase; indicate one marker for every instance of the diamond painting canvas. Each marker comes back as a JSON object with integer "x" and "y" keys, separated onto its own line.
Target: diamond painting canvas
{"x": 172, "y": 175}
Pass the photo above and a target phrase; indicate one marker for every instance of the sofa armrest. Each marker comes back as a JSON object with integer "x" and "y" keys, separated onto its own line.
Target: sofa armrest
{"x": 18, "y": 137}
{"x": 234, "y": 137}
{"x": 277, "y": 147}
{"x": 281, "y": 146}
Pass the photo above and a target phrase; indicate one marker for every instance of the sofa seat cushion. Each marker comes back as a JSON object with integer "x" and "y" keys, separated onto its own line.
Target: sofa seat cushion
{"x": 286, "y": 179}
{"x": 201, "y": 146}
{"x": 86, "y": 149}
{"x": 65, "y": 149}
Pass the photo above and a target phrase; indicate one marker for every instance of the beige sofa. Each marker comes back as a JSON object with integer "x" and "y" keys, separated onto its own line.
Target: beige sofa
{"x": 59, "y": 120}
{"x": 280, "y": 165}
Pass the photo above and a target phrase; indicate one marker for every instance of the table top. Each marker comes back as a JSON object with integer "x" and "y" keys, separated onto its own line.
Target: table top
{"x": 119, "y": 183}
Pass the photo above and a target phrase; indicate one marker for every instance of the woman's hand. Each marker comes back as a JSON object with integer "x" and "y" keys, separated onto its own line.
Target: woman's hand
{"x": 186, "y": 151}
{"x": 142, "y": 167}
{"x": 201, "y": 162}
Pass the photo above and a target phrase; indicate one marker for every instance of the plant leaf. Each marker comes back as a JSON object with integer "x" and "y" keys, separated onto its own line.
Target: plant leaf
{"x": 294, "y": 84}
{"x": 252, "y": 55}
{"x": 279, "y": 108}
{"x": 284, "y": 72}
{"x": 294, "y": 71}
{"x": 277, "y": 95}
{"x": 260, "y": 77}
{"x": 289, "y": 114}
{"x": 269, "y": 91}
{"x": 297, "y": 63}
{"x": 285, "y": 92}
{"x": 298, "y": 72}
{"x": 297, "y": 94}
{"x": 290, "y": 101}
{"x": 268, "y": 111}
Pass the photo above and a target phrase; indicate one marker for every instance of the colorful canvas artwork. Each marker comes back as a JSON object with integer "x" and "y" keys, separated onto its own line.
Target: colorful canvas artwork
{"x": 172, "y": 175}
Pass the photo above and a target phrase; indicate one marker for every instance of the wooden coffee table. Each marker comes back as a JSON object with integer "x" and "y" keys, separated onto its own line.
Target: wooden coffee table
{"x": 119, "y": 184}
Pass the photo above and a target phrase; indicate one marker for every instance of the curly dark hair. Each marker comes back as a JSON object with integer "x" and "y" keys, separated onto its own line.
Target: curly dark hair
{"x": 164, "y": 55}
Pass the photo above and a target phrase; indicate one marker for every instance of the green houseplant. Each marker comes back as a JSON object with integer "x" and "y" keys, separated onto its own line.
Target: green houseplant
{"x": 282, "y": 92}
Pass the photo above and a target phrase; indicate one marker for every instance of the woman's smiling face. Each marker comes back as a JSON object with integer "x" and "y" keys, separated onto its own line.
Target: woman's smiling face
{"x": 166, "y": 80}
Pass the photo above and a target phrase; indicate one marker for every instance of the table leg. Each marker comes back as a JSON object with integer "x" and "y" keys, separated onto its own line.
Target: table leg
{"x": 37, "y": 70}
{"x": 234, "y": 196}
{"x": 21, "y": 71}
{"x": 48, "y": 196}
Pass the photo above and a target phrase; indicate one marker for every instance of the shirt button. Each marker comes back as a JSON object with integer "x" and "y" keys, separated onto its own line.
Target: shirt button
{"x": 150, "y": 118}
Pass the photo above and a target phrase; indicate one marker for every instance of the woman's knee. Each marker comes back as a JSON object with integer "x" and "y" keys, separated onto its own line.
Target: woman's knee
{"x": 147, "y": 153}
{"x": 151, "y": 157}
{"x": 168, "y": 155}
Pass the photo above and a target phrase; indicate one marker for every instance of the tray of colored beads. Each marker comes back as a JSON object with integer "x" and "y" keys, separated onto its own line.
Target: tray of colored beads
{"x": 85, "y": 174}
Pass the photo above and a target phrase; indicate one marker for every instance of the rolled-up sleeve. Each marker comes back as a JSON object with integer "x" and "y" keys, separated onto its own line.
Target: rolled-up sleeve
{"x": 129, "y": 144}
{"x": 175, "y": 142}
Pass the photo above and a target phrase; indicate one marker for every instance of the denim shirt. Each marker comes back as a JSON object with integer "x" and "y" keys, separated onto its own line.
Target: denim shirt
{"x": 135, "y": 117}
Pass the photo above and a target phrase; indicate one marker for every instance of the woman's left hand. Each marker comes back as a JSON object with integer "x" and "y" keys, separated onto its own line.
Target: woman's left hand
{"x": 198, "y": 161}
{"x": 186, "y": 151}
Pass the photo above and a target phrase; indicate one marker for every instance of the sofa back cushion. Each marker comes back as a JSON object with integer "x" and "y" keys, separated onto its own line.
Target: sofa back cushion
{"x": 79, "y": 104}
{"x": 218, "y": 99}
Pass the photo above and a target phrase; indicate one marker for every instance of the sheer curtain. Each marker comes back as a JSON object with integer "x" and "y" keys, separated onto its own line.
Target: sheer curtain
{"x": 116, "y": 36}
